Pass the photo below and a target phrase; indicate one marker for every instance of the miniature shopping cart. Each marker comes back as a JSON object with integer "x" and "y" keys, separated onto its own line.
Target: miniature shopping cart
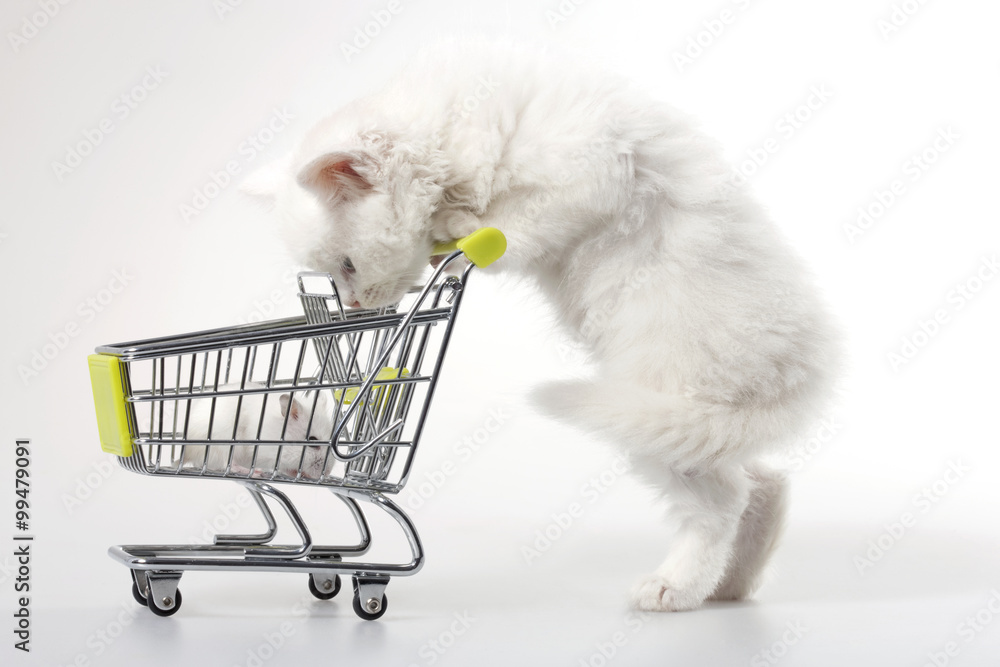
{"x": 336, "y": 399}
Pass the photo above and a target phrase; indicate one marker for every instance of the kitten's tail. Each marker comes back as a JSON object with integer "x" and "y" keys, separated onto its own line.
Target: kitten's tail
{"x": 677, "y": 430}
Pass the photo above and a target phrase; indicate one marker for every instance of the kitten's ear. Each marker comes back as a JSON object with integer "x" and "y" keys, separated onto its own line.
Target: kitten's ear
{"x": 285, "y": 400}
{"x": 263, "y": 184}
{"x": 336, "y": 176}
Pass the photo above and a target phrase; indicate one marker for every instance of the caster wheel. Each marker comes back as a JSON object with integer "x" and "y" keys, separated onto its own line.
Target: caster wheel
{"x": 176, "y": 604}
{"x": 324, "y": 594}
{"x": 362, "y": 610}
{"x": 139, "y": 597}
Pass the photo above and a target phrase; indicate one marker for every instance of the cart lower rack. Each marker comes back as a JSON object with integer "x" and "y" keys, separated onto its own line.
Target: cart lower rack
{"x": 335, "y": 399}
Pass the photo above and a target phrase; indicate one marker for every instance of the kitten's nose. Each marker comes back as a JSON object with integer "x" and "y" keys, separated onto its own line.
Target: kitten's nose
{"x": 355, "y": 305}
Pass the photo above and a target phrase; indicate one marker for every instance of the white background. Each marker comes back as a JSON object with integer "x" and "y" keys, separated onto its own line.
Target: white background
{"x": 897, "y": 431}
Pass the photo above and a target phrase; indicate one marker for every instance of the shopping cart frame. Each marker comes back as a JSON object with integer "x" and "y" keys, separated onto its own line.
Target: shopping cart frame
{"x": 156, "y": 569}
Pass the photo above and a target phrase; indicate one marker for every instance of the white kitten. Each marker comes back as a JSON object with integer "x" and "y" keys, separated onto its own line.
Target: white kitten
{"x": 710, "y": 346}
{"x": 297, "y": 428}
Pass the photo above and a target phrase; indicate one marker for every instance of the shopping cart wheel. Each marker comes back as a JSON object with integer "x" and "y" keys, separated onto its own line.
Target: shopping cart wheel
{"x": 326, "y": 589}
{"x": 367, "y": 592}
{"x": 139, "y": 597}
{"x": 362, "y": 610}
{"x": 171, "y": 604}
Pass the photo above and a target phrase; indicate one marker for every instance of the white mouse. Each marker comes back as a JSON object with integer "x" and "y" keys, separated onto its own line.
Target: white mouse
{"x": 297, "y": 427}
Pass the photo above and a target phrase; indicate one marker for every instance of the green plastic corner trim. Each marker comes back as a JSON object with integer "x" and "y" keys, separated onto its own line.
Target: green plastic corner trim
{"x": 109, "y": 401}
{"x": 386, "y": 373}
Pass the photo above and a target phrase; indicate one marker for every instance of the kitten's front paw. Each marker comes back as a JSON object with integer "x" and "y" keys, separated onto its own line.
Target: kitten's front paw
{"x": 454, "y": 223}
{"x": 654, "y": 593}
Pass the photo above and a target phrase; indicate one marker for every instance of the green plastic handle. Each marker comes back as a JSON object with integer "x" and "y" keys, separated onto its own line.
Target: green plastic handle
{"x": 483, "y": 246}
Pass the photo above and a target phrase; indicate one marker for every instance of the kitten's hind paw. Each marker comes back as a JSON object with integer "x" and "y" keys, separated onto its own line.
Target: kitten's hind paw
{"x": 654, "y": 593}
{"x": 734, "y": 590}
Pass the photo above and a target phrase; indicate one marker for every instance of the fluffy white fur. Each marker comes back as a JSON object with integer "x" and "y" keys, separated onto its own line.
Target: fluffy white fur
{"x": 709, "y": 345}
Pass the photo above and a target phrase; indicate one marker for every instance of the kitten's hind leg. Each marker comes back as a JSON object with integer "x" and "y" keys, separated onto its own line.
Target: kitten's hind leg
{"x": 708, "y": 505}
{"x": 760, "y": 529}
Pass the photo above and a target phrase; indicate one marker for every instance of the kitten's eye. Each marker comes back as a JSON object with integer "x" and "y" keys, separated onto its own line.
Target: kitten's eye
{"x": 347, "y": 265}
{"x": 312, "y": 437}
